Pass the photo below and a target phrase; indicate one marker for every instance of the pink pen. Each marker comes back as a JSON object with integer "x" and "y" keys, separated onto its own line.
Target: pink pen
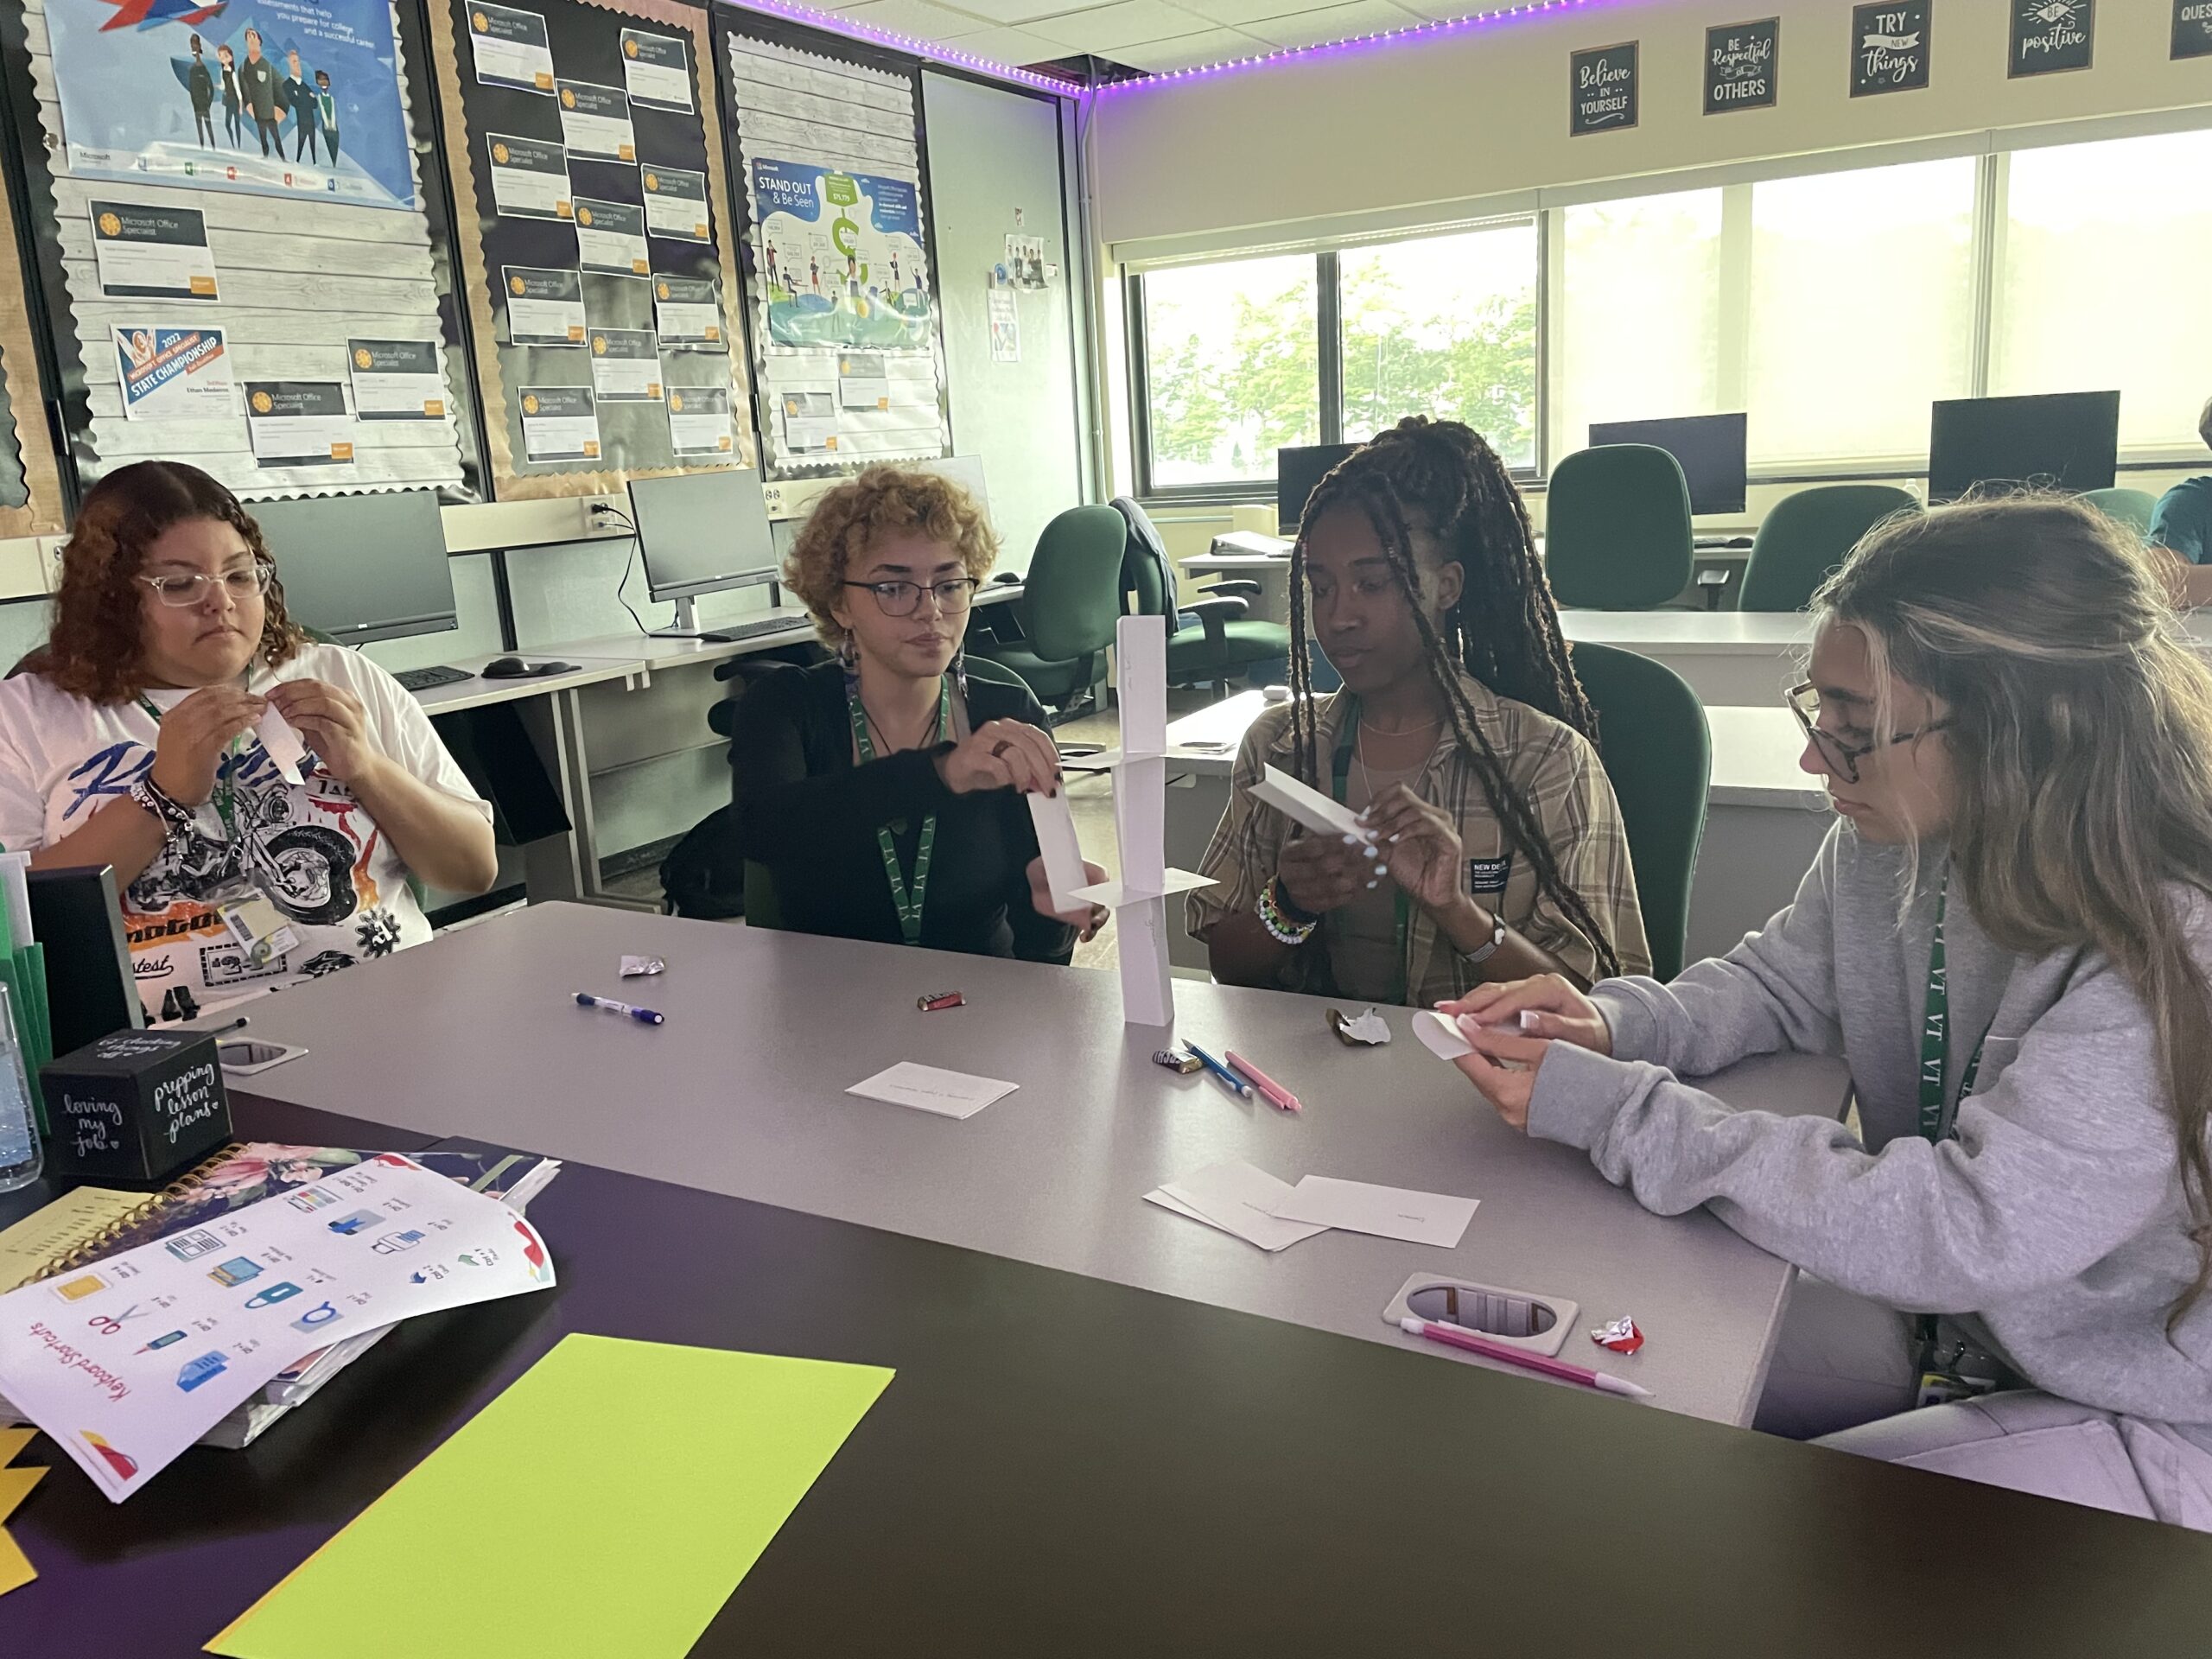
{"x": 1271, "y": 1091}
{"x": 1452, "y": 1337}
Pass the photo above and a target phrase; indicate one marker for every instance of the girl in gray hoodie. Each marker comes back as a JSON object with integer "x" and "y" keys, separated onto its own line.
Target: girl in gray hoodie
{"x": 2007, "y": 939}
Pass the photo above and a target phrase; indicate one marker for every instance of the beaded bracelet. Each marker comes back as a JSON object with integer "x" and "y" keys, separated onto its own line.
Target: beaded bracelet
{"x": 1274, "y": 917}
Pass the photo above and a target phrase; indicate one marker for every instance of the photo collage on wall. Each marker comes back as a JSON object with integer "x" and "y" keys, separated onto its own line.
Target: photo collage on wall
{"x": 848, "y": 353}
{"x": 243, "y": 242}
{"x": 594, "y": 185}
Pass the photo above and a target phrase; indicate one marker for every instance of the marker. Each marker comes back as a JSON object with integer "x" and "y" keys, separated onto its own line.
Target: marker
{"x": 1271, "y": 1091}
{"x": 1234, "y": 1084}
{"x": 643, "y": 1016}
{"x": 1452, "y": 1337}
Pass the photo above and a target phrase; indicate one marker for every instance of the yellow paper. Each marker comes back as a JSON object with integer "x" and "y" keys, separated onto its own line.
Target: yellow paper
{"x": 16, "y": 1569}
{"x": 13, "y": 1440}
{"x": 71, "y": 1222}
{"x": 14, "y": 1486}
{"x": 606, "y": 1503}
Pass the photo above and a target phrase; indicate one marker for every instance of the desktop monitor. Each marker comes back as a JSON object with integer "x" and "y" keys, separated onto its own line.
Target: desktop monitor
{"x": 1297, "y": 471}
{"x": 1711, "y": 449}
{"x": 362, "y": 568}
{"x": 700, "y": 533}
{"x": 2066, "y": 440}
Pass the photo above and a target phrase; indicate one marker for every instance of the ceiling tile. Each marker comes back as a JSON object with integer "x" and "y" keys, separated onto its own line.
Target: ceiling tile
{"x": 1234, "y": 14}
{"x": 1188, "y": 51}
{"x": 1010, "y": 11}
{"x": 1333, "y": 24}
{"x": 1014, "y": 46}
{"x": 1104, "y": 29}
{"x": 920, "y": 18}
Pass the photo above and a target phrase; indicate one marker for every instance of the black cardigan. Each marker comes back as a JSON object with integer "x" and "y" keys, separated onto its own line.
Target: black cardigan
{"x": 808, "y": 814}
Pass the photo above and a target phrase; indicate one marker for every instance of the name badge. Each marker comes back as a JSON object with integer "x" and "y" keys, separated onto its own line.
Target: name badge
{"x": 1489, "y": 874}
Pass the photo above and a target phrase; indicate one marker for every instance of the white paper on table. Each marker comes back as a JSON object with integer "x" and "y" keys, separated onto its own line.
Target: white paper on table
{"x": 1141, "y": 683}
{"x": 1141, "y": 820}
{"x": 1385, "y": 1211}
{"x": 1060, "y": 847}
{"x": 1148, "y": 989}
{"x": 128, "y": 1362}
{"x": 1307, "y": 806}
{"x": 1240, "y": 1199}
{"x": 282, "y": 744}
{"x": 931, "y": 1088}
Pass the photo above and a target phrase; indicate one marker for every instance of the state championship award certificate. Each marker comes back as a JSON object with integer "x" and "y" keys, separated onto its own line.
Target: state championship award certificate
{"x": 173, "y": 371}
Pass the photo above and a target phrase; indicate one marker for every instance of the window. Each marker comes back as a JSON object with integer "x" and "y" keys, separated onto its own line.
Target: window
{"x": 1446, "y": 326}
{"x": 1861, "y": 312}
{"x": 2100, "y": 283}
{"x": 1232, "y": 369}
{"x": 1637, "y": 325}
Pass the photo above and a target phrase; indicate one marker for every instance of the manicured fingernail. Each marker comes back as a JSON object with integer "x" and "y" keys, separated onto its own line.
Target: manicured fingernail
{"x": 1368, "y": 850}
{"x": 1531, "y": 1020}
{"x": 1381, "y": 869}
{"x": 1393, "y": 841}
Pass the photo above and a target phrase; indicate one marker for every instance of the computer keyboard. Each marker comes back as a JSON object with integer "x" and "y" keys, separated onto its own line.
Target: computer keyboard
{"x": 421, "y": 679}
{"x": 775, "y": 622}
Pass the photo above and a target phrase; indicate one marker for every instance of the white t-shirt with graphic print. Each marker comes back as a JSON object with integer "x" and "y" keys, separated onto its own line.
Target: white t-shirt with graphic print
{"x": 311, "y": 846}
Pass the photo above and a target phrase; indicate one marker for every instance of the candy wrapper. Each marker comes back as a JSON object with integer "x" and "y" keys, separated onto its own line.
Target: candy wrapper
{"x": 1621, "y": 1336}
{"x": 1366, "y": 1029}
{"x": 640, "y": 966}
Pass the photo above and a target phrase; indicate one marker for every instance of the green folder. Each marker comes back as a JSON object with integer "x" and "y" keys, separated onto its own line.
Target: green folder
{"x": 606, "y": 1503}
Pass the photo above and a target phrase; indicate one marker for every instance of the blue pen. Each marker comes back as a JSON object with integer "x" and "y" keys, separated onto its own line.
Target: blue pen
{"x": 643, "y": 1016}
{"x": 1236, "y": 1084}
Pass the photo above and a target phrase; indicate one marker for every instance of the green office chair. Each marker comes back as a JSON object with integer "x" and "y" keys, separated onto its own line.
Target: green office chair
{"x": 1225, "y": 644}
{"x": 2132, "y": 508}
{"x": 1806, "y": 536}
{"x": 1616, "y": 529}
{"x": 1658, "y": 755}
{"x": 1071, "y": 599}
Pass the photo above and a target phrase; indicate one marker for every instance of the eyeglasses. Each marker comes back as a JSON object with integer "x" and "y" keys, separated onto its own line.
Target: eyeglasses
{"x": 1843, "y": 758}
{"x": 902, "y": 599}
{"x": 179, "y": 591}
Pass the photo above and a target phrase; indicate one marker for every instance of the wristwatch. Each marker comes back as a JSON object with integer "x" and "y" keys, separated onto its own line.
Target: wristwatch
{"x": 1483, "y": 953}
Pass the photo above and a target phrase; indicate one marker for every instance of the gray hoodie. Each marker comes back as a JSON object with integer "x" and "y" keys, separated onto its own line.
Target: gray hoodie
{"x": 2053, "y": 1223}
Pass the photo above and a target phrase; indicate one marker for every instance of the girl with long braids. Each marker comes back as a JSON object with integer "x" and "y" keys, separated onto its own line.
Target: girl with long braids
{"x": 1461, "y": 736}
{"x": 2008, "y": 937}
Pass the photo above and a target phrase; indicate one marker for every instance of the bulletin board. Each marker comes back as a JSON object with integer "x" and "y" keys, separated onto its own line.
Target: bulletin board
{"x": 236, "y": 253}
{"x": 844, "y": 320}
{"x": 594, "y": 239}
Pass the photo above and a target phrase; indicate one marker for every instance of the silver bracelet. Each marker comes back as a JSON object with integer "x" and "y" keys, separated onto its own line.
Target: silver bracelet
{"x": 1484, "y": 953}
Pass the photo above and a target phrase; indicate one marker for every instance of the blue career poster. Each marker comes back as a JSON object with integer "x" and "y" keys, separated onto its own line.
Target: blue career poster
{"x": 282, "y": 98}
{"x": 842, "y": 255}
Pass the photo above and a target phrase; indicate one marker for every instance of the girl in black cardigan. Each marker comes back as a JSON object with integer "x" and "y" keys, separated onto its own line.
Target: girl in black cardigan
{"x": 881, "y": 790}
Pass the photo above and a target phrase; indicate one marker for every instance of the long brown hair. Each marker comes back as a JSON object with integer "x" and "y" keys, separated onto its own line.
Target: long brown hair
{"x": 2080, "y": 738}
{"x": 1503, "y": 631}
{"x": 96, "y": 649}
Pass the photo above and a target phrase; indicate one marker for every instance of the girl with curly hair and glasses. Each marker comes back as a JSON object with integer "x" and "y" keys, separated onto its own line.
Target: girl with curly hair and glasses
{"x": 881, "y": 790}
{"x": 141, "y": 737}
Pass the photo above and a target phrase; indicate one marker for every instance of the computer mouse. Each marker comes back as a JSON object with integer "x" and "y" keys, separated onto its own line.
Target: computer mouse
{"x": 505, "y": 668}
{"x": 1009, "y": 577}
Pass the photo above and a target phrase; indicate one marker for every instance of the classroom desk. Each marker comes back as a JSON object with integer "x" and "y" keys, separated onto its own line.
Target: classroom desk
{"x": 1764, "y": 818}
{"x": 742, "y": 1092}
{"x": 1071, "y": 1467}
{"x": 1271, "y": 571}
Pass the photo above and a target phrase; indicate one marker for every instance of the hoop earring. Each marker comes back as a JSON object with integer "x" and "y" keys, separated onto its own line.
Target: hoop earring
{"x": 960, "y": 672}
{"x": 850, "y": 656}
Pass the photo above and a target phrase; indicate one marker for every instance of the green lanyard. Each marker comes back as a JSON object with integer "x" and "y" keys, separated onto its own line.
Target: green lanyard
{"x": 1340, "y": 771}
{"x": 225, "y": 794}
{"x": 907, "y": 900}
{"x": 1936, "y": 1124}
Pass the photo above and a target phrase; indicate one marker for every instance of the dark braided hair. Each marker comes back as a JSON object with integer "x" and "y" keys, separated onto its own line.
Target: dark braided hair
{"x": 1442, "y": 475}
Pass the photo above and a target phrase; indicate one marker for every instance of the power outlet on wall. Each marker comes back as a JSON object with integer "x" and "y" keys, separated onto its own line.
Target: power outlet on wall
{"x": 604, "y": 516}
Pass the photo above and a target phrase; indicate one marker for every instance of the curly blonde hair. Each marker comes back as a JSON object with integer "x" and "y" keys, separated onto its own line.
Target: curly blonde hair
{"x": 96, "y": 650}
{"x": 851, "y": 520}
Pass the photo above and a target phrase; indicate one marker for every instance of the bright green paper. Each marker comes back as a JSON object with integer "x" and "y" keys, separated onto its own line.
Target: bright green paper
{"x": 609, "y": 1502}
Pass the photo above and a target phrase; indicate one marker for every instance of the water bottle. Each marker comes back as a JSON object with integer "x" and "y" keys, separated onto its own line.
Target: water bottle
{"x": 20, "y": 1157}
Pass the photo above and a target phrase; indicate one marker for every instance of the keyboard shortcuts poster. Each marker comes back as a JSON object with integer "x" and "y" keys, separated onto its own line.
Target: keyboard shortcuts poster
{"x": 297, "y": 98}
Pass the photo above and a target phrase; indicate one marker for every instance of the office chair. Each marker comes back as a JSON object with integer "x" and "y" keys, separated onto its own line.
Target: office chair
{"x": 2132, "y": 508}
{"x": 1658, "y": 756}
{"x": 1616, "y": 529}
{"x": 1806, "y": 536}
{"x": 1225, "y": 642}
{"x": 1071, "y": 599}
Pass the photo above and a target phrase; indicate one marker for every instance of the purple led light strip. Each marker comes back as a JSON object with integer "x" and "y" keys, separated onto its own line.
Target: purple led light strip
{"x": 1393, "y": 37}
{"x": 858, "y": 30}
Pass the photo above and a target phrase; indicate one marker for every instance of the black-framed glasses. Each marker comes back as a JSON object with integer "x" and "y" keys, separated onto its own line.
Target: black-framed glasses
{"x": 902, "y": 599}
{"x": 179, "y": 590}
{"x": 1843, "y": 758}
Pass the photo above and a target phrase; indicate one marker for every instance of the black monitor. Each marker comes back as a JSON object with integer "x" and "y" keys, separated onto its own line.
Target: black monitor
{"x": 2066, "y": 440}
{"x": 361, "y": 567}
{"x": 1711, "y": 449}
{"x": 90, "y": 989}
{"x": 1297, "y": 471}
{"x": 700, "y": 533}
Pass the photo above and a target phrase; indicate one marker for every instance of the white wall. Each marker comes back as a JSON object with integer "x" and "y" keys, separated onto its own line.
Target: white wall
{"x": 1403, "y": 132}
